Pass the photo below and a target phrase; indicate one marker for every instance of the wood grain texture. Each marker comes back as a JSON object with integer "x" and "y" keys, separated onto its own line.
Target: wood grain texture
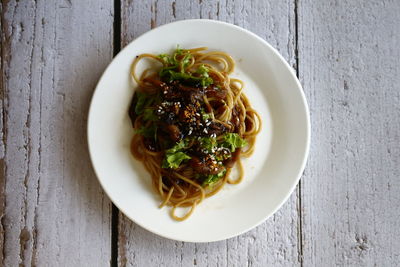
{"x": 53, "y": 53}
{"x": 349, "y": 66}
{"x": 274, "y": 243}
{"x": 2, "y": 132}
{"x": 346, "y": 211}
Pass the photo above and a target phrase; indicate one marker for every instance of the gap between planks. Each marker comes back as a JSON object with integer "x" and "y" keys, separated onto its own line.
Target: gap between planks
{"x": 299, "y": 186}
{"x": 115, "y": 211}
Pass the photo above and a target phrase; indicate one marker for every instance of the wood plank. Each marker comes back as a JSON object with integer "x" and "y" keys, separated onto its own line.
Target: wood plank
{"x": 2, "y": 132}
{"x": 53, "y": 53}
{"x": 349, "y": 66}
{"x": 274, "y": 242}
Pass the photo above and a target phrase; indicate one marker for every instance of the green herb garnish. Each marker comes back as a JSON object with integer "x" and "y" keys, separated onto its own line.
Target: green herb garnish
{"x": 148, "y": 132}
{"x": 213, "y": 178}
{"x": 206, "y": 116}
{"x": 178, "y": 146}
{"x": 233, "y": 141}
{"x": 148, "y": 115}
{"x": 175, "y": 69}
{"x": 174, "y": 160}
{"x": 175, "y": 155}
{"x": 143, "y": 100}
{"x": 208, "y": 143}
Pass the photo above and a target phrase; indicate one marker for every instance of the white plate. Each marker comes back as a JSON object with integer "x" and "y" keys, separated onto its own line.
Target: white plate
{"x": 271, "y": 174}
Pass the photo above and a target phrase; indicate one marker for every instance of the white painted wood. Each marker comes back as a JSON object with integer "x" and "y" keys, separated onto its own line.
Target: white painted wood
{"x": 274, "y": 243}
{"x": 349, "y": 66}
{"x": 53, "y": 53}
{"x": 346, "y": 211}
{"x": 2, "y": 148}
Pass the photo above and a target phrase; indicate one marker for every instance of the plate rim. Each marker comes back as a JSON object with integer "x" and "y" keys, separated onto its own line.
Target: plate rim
{"x": 308, "y": 130}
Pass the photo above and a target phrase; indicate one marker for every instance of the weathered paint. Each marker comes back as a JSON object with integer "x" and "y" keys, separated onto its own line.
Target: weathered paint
{"x": 53, "y": 53}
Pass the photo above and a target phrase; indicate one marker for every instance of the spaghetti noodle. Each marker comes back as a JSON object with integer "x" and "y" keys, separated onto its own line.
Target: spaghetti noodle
{"x": 192, "y": 125}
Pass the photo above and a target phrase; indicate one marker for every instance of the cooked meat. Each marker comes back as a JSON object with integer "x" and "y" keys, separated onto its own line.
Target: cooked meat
{"x": 235, "y": 119}
{"x": 231, "y": 161}
{"x": 151, "y": 144}
{"x": 216, "y": 128}
{"x": 174, "y": 132}
{"x": 206, "y": 165}
{"x": 215, "y": 92}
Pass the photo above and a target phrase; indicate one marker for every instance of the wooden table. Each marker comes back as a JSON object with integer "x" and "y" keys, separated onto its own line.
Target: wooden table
{"x": 344, "y": 212}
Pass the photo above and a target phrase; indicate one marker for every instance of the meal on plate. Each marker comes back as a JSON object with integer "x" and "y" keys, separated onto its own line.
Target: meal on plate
{"x": 192, "y": 124}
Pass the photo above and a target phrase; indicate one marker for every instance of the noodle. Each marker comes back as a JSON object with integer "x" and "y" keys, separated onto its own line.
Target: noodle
{"x": 224, "y": 103}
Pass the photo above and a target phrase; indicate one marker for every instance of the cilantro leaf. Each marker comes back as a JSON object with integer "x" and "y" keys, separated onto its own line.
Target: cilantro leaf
{"x": 143, "y": 100}
{"x": 148, "y": 114}
{"x": 178, "y": 147}
{"x": 173, "y": 160}
{"x": 185, "y": 61}
{"x": 208, "y": 143}
{"x": 169, "y": 75}
{"x": 173, "y": 61}
{"x": 206, "y": 81}
{"x": 233, "y": 141}
{"x": 213, "y": 178}
{"x": 203, "y": 70}
{"x": 166, "y": 59}
{"x": 148, "y": 132}
{"x": 178, "y": 50}
{"x": 206, "y": 116}
{"x": 175, "y": 69}
{"x": 175, "y": 155}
